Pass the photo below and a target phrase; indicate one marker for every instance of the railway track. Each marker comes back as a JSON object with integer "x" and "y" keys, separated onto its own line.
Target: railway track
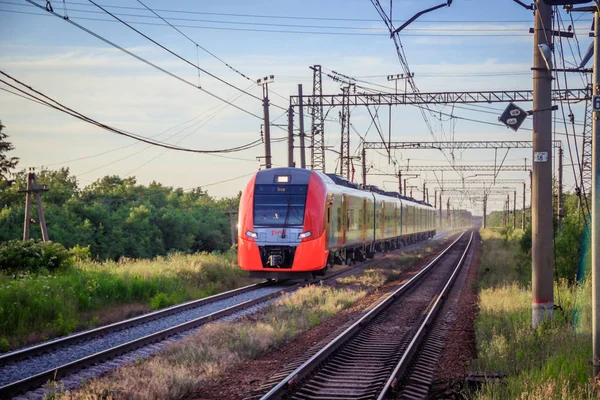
{"x": 378, "y": 356}
{"x": 31, "y": 367}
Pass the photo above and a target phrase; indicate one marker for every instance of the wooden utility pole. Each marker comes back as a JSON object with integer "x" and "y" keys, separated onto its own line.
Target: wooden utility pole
{"x": 33, "y": 189}
{"x": 231, "y": 213}
{"x": 541, "y": 190}
{"x": 302, "y": 135}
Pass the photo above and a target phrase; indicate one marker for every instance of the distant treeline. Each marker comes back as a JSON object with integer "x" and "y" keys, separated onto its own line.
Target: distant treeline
{"x": 117, "y": 217}
{"x": 571, "y": 243}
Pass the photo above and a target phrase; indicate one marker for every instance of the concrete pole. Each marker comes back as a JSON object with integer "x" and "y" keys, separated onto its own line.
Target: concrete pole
{"x": 448, "y": 222}
{"x": 523, "y": 211}
{"x": 595, "y": 217}
{"x": 484, "y": 212}
{"x": 541, "y": 209}
{"x": 515, "y": 210}
{"x": 267, "y": 126}
{"x": 560, "y": 188}
{"x": 27, "y": 222}
{"x": 423, "y": 191}
{"x": 364, "y": 165}
{"x": 301, "y": 123}
{"x": 399, "y": 181}
{"x": 291, "y": 137}
{"x": 440, "y": 203}
{"x": 435, "y": 199}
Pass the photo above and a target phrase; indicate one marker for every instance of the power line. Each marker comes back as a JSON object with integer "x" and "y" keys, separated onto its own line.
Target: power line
{"x": 300, "y": 32}
{"x": 146, "y": 61}
{"x": 296, "y": 17}
{"x": 67, "y": 110}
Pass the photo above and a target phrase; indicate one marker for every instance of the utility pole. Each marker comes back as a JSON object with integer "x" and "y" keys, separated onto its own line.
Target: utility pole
{"x": 560, "y": 188}
{"x": 291, "y": 137}
{"x": 345, "y": 135}
{"x": 596, "y": 203}
{"x": 448, "y": 222}
{"x": 523, "y": 213}
{"x": 364, "y": 165}
{"x": 399, "y": 181}
{"x": 423, "y": 191}
{"x": 33, "y": 189}
{"x": 264, "y": 82}
{"x": 317, "y": 144}
{"x": 515, "y": 210}
{"x": 231, "y": 213}
{"x": 440, "y": 210}
{"x": 435, "y": 199}
{"x": 301, "y": 122}
{"x": 541, "y": 209}
{"x": 484, "y": 211}
{"x": 404, "y": 187}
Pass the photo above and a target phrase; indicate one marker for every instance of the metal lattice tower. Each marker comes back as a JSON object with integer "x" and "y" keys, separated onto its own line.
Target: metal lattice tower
{"x": 586, "y": 153}
{"x": 345, "y": 138}
{"x": 317, "y": 142}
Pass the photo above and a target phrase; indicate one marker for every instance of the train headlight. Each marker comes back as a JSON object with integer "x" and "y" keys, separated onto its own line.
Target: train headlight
{"x": 304, "y": 235}
{"x": 251, "y": 234}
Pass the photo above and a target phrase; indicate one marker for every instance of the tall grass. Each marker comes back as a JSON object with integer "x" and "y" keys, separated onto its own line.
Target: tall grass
{"x": 550, "y": 362}
{"x": 181, "y": 369}
{"x": 39, "y": 306}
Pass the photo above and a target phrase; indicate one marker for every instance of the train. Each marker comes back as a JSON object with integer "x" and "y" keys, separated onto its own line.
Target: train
{"x": 296, "y": 223}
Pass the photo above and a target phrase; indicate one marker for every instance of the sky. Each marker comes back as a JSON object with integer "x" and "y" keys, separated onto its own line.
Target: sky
{"x": 469, "y": 46}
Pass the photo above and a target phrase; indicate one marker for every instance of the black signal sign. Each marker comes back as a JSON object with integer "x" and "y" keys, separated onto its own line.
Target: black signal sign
{"x": 513, "y": 116}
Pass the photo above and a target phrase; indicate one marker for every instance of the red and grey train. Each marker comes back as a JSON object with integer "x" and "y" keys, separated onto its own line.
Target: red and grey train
{"x": 294, "y": 223}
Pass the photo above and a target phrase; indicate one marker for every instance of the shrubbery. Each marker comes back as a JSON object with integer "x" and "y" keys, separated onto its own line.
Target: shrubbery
{"x": 32, "y": 255}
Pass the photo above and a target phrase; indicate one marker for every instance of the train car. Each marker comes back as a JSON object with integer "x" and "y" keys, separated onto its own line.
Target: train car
{"x": 294, "y": 223}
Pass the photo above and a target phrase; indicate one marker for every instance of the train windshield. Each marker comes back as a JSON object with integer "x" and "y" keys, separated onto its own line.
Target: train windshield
{"x": 279, "y": 205}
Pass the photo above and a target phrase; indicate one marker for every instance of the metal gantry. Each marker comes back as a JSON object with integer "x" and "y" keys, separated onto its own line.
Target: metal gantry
{"x": 475, "y": 181}
{"x": 495, "y": 96}
{"x": 429, "y": 168}
{"x": 457, "y": 145}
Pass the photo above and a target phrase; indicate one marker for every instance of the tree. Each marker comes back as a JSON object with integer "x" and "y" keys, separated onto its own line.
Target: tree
{"x": 6, "y": 163}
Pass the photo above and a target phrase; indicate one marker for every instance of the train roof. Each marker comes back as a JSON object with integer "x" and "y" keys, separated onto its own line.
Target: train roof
{"x": 301, "y": 176}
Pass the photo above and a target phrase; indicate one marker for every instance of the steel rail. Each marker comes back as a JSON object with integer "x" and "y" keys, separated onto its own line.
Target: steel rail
{"x": 309, "y": 366}
{"x": 117, "y": 326}
{"x": 37, "y": 380}
{"x": 425, "y": 325}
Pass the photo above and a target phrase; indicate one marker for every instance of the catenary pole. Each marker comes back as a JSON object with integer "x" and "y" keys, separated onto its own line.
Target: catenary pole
{"x": 560, "y": 188}
{"x": 291, "y": 137}
{"x": 523, "y": 211}
{"x": 595, "y": 248}
{"x": 541, "y": 212}
{"x": 301, "y": 125}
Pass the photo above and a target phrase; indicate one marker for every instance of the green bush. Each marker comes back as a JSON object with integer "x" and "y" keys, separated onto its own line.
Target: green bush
{"x": 32, "y": 255}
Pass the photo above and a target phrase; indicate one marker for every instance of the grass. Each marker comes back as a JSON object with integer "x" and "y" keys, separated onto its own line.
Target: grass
{"x": 550, "y": 362}
{"x": 36, "y": 307}
{"x": 181, "y": 369}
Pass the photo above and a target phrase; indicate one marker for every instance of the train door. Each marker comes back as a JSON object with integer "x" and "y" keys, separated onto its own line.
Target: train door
{"x": 362, "y": 220}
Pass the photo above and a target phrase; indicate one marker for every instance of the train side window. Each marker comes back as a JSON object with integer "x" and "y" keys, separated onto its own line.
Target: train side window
{"x": 339, "y": 219}
{"x": 328, "y": 215}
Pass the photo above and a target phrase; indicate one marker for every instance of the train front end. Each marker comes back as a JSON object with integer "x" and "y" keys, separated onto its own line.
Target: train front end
{"x": 281, "y": 231}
